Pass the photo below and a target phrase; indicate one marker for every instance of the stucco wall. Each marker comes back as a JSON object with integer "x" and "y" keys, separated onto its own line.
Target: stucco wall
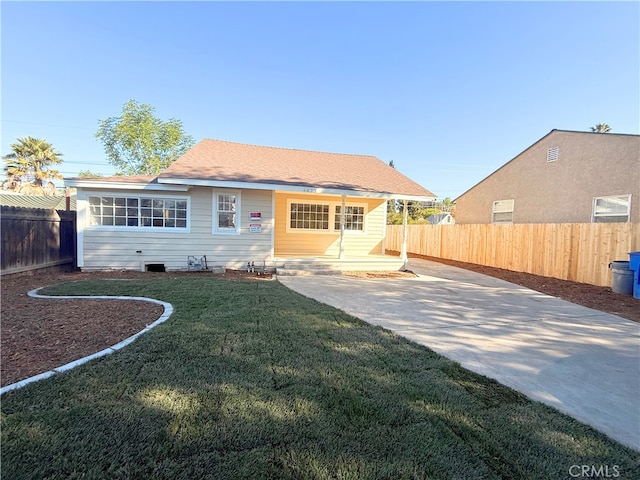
{"x": 589, "y": 165}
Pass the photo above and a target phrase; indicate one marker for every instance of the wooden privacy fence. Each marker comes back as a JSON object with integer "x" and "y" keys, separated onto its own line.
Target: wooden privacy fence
{"x": 34, "y": 238}
{"x": 570, "y": 251}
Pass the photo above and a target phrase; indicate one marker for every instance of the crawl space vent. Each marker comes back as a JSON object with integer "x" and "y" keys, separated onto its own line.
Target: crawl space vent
{"x": 155, "y": 267}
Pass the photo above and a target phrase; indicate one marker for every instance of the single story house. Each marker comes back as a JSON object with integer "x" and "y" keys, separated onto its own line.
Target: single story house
{"x": 565, "y": 177}
{"x": 441, "y": 219}
{"x": 47, "y": 202}
{"x": 237, "y": 204}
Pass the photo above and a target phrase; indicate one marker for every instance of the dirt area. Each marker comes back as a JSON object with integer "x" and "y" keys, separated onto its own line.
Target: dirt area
{"x": 38, "y": 334}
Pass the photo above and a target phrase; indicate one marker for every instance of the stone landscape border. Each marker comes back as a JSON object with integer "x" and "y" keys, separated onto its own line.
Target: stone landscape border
{"x": 168, "y": 310}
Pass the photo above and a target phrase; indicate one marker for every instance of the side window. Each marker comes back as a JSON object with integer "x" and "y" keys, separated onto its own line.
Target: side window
{"x": 502, "y": 211}
{"x": 615, "y": 208}
{"x": 353, "y": 218}
{"x": 138, "y": 212}
{"x": 226, "y": 211}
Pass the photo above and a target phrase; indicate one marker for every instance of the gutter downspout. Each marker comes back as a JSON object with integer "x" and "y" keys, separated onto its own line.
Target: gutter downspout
{"x": 403, "y": 252}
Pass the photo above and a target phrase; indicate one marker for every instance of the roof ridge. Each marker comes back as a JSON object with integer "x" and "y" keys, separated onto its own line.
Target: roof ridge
{"x": 291, "y": 149}
{"x": 582, "y": 131}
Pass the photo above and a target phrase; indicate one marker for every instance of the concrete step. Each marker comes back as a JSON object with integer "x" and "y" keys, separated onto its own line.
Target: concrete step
{"x": 334, "y": 266}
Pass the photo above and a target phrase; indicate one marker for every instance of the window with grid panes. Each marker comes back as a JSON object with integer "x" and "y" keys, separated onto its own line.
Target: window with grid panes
{"x": 137, "y": 212}
{"x": 309, "y": 216}
{"x": 226, "y": 211}
{"x": 353, "y": 218}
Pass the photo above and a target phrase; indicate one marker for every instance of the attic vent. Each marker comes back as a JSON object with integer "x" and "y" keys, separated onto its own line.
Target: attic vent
{"x": 552, "y": 154}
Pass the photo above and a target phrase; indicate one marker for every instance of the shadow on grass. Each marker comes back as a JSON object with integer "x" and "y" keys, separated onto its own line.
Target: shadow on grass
{"x": 250, "y": 380}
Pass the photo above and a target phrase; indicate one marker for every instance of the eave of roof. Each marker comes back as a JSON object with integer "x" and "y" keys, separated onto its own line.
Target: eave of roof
{"x": 136, "y": 182}
{"x": 219, "y": 163}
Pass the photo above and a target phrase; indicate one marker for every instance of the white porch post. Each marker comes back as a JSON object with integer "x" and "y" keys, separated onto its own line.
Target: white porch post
{"x": 341, "y": 252}
{"x": 405, "y": 221}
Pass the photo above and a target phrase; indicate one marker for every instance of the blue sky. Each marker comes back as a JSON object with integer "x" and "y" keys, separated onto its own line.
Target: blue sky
{"x": 449, "y": 91}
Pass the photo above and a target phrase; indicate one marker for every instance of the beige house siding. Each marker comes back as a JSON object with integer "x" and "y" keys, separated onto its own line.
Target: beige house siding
{"x": 289, "y": 243}
{"x": 562, "y": 191}
{"x": 105, "y": 248}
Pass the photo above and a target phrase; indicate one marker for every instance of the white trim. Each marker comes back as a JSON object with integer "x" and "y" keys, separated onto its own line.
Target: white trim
{"x": 384, "y": 223}
{"x": 627, "y": 215}
{"x": 81, "y": 221}
{"x": 126, "y": 185}
{"x": 273, "y": 225}
{"x": 215, "y": 230}
{"x": 405, "y": 234}
{"x": 494, "y": 211}
{"x": 290, "y": 188}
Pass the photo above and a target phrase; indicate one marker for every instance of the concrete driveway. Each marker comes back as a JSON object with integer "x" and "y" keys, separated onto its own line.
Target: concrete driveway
{"x": 581, "y": 361}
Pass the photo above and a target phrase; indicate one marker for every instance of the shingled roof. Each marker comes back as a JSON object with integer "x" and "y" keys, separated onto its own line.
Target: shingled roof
{"x": 211, "y": 162}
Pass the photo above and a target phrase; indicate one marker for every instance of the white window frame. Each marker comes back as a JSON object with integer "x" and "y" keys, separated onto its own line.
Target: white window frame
{"x": 503, "y": 206}
{"x": 216, "y": 229}
{"x": 625, "y": 217}
{"x": 139, "y": 227}
{"x": 336, "y": 217}
{"x": 312, "y": 203}
{"x": 331, "y": 230}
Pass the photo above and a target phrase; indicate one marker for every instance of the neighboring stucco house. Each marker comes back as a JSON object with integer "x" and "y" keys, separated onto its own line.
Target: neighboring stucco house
{"x": 565, "y": 177}
{"x": 238, "y": 203}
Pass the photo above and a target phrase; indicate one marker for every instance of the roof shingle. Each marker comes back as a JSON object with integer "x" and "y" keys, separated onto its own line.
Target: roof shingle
{"x": 217, "y": 160}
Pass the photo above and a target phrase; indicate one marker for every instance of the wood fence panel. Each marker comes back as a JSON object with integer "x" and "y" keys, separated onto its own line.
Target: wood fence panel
{"x": 579, "y": 252}
{"x": 36, "y": 238}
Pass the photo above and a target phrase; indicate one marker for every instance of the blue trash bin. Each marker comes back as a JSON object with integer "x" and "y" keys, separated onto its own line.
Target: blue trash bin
{"x": 634, "y": 264}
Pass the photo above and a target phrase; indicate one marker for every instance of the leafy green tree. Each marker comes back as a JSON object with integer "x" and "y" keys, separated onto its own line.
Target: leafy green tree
{"x": 138, "y": 143}
{"x": 89, "y": 174}
{"x": 601, "y": 128}
{"x": 28, "y": 167}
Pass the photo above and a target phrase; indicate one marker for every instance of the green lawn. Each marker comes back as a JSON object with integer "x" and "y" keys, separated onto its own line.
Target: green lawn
{"x": 250, "y": 380}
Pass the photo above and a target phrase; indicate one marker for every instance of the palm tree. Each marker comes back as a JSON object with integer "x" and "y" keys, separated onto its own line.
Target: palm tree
{"x": 601, "y": 128}
{"x": 28, "y": 169}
